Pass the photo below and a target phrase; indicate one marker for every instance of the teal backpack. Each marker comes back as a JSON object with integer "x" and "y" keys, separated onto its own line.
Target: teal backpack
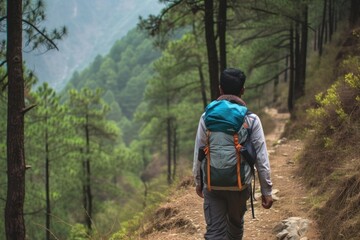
{"x": 229, "y": 155}
{"x": 227, "y": 133}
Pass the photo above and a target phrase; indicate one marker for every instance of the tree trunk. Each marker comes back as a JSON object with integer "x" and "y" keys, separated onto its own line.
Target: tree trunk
{"x": 143, "y": 179}
{"x": 275, "y": 91}
{"x": 315, "y": 40}
{"x": 168, "y": 143}
{"x": 326, "y": 34}
{"x": 174, "y": 151}
{"x": 303, "y": 50}
{"x": 291, "y": 77}
{"x": 200, "y": 69}
{"x": 331, "y": 19}
{"x": 211, "y": 49}
{"x": 145, "y": 193}
{"x": 297, "y": 62}
{"x": 222, "y": 33}
{"x": 286, "y": 67}
{"x": 321, "y": 36}
{"x": 14, "y": 216}
{"x": 47, "y": 183}
{"x": 168, "y": 129}
{"x": 335, "y": 18}
{"x": 88, "y": 195}
{"x": 354, "y": 12}
{"x": 202, "y": 86}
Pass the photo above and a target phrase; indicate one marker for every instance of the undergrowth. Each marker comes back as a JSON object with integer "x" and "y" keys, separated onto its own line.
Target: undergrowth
{"x": 330, "y": 161}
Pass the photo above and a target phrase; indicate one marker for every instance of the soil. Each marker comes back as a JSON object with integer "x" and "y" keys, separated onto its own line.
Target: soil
{"x": 181, "y": 217}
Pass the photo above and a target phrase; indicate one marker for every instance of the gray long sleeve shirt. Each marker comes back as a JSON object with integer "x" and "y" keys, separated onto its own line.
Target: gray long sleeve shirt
{"x": 257, "y": 138}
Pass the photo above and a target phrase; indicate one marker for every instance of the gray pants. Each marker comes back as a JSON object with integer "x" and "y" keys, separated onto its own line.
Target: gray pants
{"x": 224, "y": 214}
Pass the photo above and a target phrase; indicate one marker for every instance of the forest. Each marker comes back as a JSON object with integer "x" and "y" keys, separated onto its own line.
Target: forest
{"x": 92, "y": 160}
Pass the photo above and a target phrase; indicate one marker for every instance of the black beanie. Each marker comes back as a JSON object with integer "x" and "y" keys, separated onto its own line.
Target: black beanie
{"x": 232, "y": 81}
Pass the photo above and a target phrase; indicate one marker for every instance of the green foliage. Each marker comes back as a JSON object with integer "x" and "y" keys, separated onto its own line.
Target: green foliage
{"x": 47, "y": 141}
{"x": 333, "y": 110}
{"x": 328, "y": 103}
{"x": 129, "y": 227}
{"x": 124, "y": 71}
{"x": 78, "y": 232}
{"x": 352, "y": 80}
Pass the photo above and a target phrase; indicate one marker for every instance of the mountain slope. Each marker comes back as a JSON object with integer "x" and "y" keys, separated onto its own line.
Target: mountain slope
{"x": 93, "y": 27}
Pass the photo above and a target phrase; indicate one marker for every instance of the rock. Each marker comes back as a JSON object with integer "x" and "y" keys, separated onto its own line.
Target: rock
{"x": 290, "y": 162}
{"x": 303, "y": 227}
{"x": 292, "y": 219}
{"x": 275, "y": 198}
{"x": 292, "y": 236}
{"x": 281, "y": 141}
{"x": 271, "y": 152}
{"x": 275, "y": 191}
{"x": 282, "y": 235}
{"x": 278, "y": 228}
{"x": 293, "y": 228}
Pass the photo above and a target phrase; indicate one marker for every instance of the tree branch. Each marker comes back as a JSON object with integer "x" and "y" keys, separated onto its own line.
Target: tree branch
{"x": 278, "y": 14}
{"x": 34, "y": 212}
{"x": 267, "y": 81}
{"x": 269, "y": 62}
{"x": 174, "y": 4}
{"x": 260, "y": 34}
{"x": 263, "y": 59}
{"x": 25, "y": 110}
{"x": 152, "y": 23}
{"x": 2, "y": 80}
{"x": 41, "y": 33}
{"x": 2, "y": 63}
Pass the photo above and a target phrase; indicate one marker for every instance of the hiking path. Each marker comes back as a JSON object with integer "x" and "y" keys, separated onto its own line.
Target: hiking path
{"x": 181, "y": 217}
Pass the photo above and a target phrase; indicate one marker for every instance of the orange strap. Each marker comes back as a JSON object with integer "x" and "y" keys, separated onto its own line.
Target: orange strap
{"x": 238, "y": 156}
{"x": 207, "y": 152}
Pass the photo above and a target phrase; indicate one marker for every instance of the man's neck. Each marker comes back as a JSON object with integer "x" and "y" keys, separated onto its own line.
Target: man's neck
{"x": 232, "y": 98}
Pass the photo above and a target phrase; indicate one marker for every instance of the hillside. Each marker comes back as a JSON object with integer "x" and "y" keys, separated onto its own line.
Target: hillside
{"x": 330, "y": 161}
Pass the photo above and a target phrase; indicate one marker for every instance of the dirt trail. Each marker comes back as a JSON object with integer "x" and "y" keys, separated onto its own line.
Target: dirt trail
{"x": 182, "y": 216}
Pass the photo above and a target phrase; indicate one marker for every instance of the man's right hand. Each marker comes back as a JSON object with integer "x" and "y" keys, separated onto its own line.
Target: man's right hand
{"x": 199, "y": 191}
{"x": 267, "y": 201}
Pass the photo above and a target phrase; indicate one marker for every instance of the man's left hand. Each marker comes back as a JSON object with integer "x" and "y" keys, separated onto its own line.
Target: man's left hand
{"x": 199, "y": 191}
{"x": 267, "y": 201}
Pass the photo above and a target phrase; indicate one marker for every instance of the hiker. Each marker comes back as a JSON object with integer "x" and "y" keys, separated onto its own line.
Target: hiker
{"x": 224, "y": 208}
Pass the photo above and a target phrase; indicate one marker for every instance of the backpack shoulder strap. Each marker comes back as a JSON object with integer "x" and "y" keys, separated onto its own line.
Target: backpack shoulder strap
{"x": 238, "y": 156}
{"x": 207, "y": 153}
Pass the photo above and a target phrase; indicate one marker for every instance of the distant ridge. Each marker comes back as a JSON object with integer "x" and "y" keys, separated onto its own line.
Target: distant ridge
{"x": 93, "y": 28}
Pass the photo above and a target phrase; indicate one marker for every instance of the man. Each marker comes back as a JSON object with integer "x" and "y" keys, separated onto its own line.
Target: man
{"x": 224, "y": 209}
